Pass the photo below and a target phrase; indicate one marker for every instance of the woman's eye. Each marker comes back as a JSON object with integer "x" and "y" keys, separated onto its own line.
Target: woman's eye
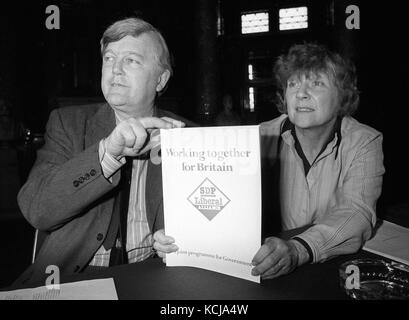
{"x": 292, "y": 84}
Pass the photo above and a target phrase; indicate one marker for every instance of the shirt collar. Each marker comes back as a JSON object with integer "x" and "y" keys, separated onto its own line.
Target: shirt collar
{"x": 336, "y": 132}
{"x": 119, "y": 119}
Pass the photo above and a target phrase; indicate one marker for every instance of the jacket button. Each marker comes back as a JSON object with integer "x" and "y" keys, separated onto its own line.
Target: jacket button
{"x": 81, "y": 179}
{"x": 93, "y": 172}
{"x": 76, "y": 183}
{"x": 100, "y": 236}
{"x": 87, "y": 176}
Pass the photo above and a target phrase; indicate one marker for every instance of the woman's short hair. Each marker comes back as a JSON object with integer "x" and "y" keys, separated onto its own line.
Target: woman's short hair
{"x": 135, "y": 27}
{"x": 314, "y": 58}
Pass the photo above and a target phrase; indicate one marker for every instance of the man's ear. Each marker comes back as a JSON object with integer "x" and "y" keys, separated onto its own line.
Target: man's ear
{"x": 163, "y": 80}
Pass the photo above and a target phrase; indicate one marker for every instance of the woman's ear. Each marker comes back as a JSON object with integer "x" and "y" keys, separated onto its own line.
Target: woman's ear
{"x": 163, "y": 80}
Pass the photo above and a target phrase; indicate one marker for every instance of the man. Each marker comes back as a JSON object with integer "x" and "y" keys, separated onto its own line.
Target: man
{"x": 75, "y": 192}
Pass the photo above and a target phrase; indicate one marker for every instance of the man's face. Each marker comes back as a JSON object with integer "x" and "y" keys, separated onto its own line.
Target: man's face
{"x": 312, "y": 100}
{"x": 131, "y": 74}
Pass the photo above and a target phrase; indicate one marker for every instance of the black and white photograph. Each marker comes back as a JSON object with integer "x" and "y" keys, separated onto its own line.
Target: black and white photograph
{"x": 204, "y": 154}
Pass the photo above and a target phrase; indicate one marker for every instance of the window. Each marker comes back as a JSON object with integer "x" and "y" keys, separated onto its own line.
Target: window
{"x": 258, "y": 83}
{"x": 255, "y": 22}
{"x": 251, "y": 99}
{"x": 293, "y": 18}
{"x": 250, "y": 70}
{"x": 220, "y": 20}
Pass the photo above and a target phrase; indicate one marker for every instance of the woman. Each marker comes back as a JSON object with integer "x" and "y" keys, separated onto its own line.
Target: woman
{"x": 329, "y": 166}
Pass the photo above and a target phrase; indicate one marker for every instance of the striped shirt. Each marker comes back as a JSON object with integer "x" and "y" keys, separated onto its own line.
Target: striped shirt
{"x": 338, "y": 194}
{"x": 139, "y": 240}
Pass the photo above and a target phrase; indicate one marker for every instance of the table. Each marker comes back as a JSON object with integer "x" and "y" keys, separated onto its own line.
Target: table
{"x": 152, "y": 280}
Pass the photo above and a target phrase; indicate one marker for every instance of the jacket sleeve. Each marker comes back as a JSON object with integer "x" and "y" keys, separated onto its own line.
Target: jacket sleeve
{"x": 64, "y": 180}
{"x": 352, "y": 211}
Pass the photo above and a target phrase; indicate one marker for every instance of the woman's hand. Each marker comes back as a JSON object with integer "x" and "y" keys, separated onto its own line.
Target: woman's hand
{"x": 277, "y": 257}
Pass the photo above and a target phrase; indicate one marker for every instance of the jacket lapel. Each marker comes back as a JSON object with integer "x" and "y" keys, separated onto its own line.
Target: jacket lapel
{"x": 154, "y": 191}
{"x": 100, "y": 125}
{"x": 153, "y": 196}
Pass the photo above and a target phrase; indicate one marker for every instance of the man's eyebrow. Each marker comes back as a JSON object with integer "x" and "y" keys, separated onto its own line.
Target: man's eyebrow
{"x": 134, "y": 53}
{"x": 125, "y": 52}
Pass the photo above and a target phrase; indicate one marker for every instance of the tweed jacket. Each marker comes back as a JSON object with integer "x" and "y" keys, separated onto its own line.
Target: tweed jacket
{"x": 68, "y": 198}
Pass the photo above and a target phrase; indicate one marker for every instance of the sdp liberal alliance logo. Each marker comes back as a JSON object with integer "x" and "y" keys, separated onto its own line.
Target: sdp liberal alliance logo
{"x": 208, "y": 199}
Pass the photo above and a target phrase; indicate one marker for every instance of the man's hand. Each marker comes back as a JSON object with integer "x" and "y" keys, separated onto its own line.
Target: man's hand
{"x": 163, "y": 244}
{"x": 131, "y": 137}
{"x": 277, "y": 257}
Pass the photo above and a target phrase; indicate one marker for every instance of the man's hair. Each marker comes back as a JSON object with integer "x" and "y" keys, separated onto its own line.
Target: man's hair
{"x": 309, "y": 58}
{"x": 135, "y": 27}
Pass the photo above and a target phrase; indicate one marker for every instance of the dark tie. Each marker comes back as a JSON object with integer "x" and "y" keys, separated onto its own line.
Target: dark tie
{"x": 118, "y": 225}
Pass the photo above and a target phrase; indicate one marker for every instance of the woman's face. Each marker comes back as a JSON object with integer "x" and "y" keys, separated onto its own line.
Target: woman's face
{"x": 312, "y": 100}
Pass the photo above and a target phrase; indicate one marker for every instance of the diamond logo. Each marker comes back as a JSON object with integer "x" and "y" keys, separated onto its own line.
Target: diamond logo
{"x": 208, "y": 199}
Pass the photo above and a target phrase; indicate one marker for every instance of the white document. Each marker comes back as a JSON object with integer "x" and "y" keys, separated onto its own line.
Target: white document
{"x": 390, "y": 241}
{"x": 212, "y": 197}
{"x": 101, "y": 289}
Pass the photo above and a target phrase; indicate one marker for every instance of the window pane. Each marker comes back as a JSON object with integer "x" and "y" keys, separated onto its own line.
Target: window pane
{"x": 250, "y": 69}
{"x": 251, "y": 99}
{"x": 260, "y": 69}
{"x": 255, "y": 22}
{"x": 293, "y": 18}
